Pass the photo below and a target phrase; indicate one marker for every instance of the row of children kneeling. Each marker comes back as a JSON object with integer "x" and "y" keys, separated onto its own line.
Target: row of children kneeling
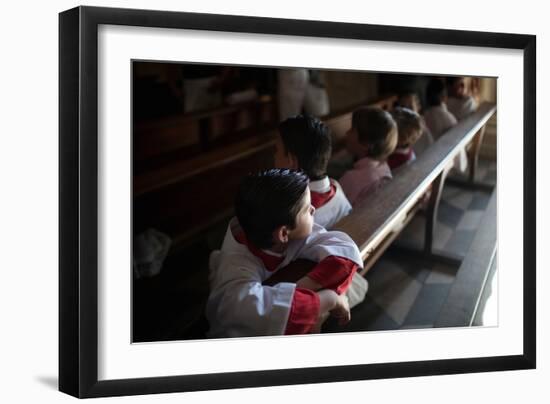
{"x": 282, "y": 215}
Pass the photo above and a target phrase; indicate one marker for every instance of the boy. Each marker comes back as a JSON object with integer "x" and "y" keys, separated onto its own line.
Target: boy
{"x": 304, "y": 143}
{"x": 409, "y": 130}
{"x": 412, "y": 102}
{"x": 437, "y": 116}
{"x": 371, "y": 139}
{"x": 439, "y": 119}
{"x": 460, "y": 104}
{"x": 274, "y": 226}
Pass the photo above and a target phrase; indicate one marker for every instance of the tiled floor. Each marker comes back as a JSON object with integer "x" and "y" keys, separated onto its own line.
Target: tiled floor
{"x": 405, "y": 292}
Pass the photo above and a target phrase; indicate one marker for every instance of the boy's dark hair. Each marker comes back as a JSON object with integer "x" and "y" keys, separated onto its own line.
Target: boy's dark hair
{"x": 308, "y": 139}
{"x": 409, "y": 126}
{"x": 435, "y": 92}
{"x": 267, "y": 200}
{"x": 375, "y": 129}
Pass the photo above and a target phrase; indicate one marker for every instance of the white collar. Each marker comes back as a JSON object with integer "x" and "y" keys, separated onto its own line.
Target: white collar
{"x": 402, "y": 150}
{"x": 320, "y": 186}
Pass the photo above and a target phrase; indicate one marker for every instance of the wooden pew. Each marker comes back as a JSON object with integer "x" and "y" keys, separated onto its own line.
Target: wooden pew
{"x": 181, "y": 170}
{"x": 187, "y": 198}
{"x": 187, "y": 135}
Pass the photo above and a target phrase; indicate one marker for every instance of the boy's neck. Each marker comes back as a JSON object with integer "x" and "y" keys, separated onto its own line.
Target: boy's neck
{"x": 318, "y": 178}
{"x": 278, "y": 248}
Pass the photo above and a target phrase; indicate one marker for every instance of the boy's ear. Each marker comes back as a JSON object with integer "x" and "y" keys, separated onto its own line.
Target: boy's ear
{"x": 280, "y": 235}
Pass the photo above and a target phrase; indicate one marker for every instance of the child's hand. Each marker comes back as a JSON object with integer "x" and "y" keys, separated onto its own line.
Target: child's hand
{"x": 342, "y": 311}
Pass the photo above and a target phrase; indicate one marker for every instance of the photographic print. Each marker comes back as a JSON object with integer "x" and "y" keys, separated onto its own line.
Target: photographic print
{"x": 251, "y": 201}
{"x": 200, "y": 129}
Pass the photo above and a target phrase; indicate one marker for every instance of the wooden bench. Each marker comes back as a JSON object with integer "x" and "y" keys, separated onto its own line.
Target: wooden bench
{"x": 187, "y": 135}
{"x": 188, "y": 197}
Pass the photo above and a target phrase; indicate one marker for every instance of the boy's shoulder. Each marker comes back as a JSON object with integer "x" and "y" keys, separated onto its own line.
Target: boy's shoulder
{"x": 338, "y": 206}
{"x": 234, "y": 261}
{"x": 234, "y": 250}
{"x": 439, "y": 113}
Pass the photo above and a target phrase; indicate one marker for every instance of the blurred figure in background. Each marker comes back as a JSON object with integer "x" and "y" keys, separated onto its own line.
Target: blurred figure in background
{"x": 301, "y": 90}
{"x": 460, "y": 102}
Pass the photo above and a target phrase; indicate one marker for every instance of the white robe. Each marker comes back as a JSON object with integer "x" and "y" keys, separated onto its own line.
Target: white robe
{"x": 296, "y": 92}
{"x": 292, "y": 87}
{"x": 335, "y": 209}
{"x": 439, "y": 120}
{"x": 327, "y": 216}
{"x": 239, "y": 305}
{"x": 461, "y": 107}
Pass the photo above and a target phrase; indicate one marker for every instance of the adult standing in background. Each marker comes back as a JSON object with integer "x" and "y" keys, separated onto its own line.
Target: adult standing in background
{"x": 301, "y": 90}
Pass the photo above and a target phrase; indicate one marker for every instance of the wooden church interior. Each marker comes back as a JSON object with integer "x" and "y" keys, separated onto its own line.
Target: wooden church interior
{"x": 430, "y": 260}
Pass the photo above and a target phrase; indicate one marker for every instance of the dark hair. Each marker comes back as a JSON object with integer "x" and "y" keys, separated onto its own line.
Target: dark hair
{"x": 308, "y": 139}
{"x": 269, "y": 199}
{"x": 435, "y": 92}
{"x": 409, "y": 126}
{"x": 375, "y": 129}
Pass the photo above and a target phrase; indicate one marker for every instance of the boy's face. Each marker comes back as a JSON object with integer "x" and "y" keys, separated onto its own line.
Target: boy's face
{"x": 459, "y": 88}
{"x": 282, "y": 158}
{"x": 304, "y": 219}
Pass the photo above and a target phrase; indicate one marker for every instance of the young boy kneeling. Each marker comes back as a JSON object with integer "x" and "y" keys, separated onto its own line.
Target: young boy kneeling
{"x": 305, "y": 143}
{"x": 274, "y": 226}
{"x": 371, "y": 139}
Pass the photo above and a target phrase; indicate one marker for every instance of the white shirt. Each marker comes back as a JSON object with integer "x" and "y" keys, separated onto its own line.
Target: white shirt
{"x": 335, "y": 209}
{"x": 461, "y": 107}
{"x": 366, "y": 177}
{"x": 439, "y": 120}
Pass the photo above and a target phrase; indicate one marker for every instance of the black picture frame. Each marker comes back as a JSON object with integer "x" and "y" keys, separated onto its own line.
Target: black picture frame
{"x": 78, "y": 201}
